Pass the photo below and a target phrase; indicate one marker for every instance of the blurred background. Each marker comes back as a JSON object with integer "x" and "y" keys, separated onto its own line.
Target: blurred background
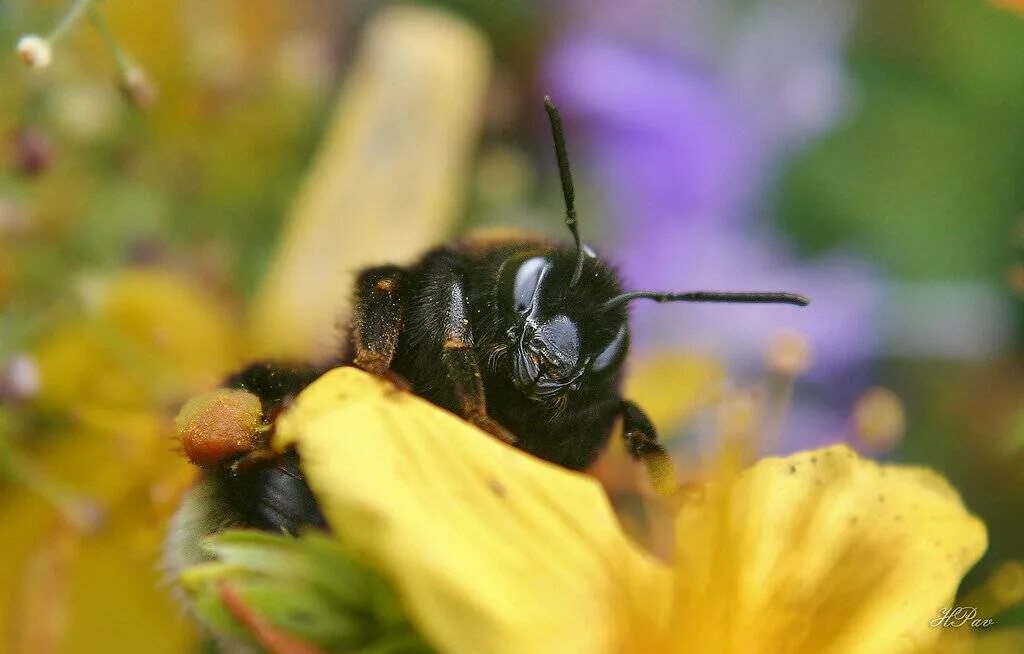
{"x": 187, "y": 185}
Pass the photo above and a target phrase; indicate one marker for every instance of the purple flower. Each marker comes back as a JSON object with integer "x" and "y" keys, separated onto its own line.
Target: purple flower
{"x": 839, "y": 323}
{"x": 683, "y": 139}
{"x": 665, "y": 139}
{"x": 681, "y": 154}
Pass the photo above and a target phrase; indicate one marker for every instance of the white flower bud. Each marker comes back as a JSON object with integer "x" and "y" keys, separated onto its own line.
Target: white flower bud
{"x": 35, "y": 51}
{"x": 19, "y": 378}
{"x": 137, "y": 87}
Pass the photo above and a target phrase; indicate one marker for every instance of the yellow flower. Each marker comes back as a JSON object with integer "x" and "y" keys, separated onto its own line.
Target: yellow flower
{"x": 492, "y": 550}
{"x": 109, "y": 377}
{"x": 150, "y": 338}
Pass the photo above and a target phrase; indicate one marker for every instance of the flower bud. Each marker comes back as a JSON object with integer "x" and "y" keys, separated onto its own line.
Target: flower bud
{"x": 137, "y": 87}
{"x": 34, "y": 51}
{"x": 19, "y": 378}
{"x": 878, "y": 419}
{"x": 31, "y": 152}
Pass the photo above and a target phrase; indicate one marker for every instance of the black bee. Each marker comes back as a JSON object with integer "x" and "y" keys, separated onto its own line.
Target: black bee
{"x": 523, "y": 337}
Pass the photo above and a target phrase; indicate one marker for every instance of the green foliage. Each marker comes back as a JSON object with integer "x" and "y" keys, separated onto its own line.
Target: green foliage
{"x": 926, "y": 173}
{"x": 310, "y": 587}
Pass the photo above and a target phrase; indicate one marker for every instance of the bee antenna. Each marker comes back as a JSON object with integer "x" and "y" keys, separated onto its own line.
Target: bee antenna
{"x": 708, "y": 296}
{"x": 567, "y": 189}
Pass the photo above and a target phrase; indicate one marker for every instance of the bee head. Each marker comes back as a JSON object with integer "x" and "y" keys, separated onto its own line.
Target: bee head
{"x": 560, "y": 334}
{"x": 568, "y": 310}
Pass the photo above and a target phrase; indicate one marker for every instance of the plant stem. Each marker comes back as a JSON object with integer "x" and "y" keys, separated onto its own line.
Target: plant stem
{"x": 69, "y": 19}
{"x": 121, "y": 59}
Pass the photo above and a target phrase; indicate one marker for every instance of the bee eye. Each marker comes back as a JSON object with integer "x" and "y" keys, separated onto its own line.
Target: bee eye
{"x": 611, "y": 351}
{"x": 527, "y": 283}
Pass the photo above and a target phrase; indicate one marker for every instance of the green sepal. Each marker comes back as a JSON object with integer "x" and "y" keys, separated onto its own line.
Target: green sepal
{"x": 310, "y": 587}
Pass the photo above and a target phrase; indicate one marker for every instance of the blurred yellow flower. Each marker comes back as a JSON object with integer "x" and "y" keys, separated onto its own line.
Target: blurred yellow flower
{"x": 115, "y": 372}
{"x": 145, "y": 340}
{"x": 496, "y": 551}
{"x": 347, "y": 215}
{"x": 147, "y": 337}
{"x": 675, "y": 386}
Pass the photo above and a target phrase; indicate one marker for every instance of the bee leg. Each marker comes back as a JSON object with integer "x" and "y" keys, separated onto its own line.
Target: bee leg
{"x": 378, "y": 320}
{"x": 276, "y": 384}
{"x": 469, "y": 388}
{"x": 460, "y": 359}
{"x": 642, "y": 444}
{"x": 264, "y": 487}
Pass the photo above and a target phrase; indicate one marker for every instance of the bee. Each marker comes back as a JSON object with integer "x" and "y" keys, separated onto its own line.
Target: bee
{"x": 522, "y": 336}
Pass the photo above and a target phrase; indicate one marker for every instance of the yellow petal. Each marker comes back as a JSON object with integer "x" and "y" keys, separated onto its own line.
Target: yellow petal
{"x": 492, "y": 550}
{"x": 820, "y": 552}
{"x": 172, "y": 325}
{"x": 387, "y": 182}
{"x": 154, "y": 337}
{"x": 108, "y": 593}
